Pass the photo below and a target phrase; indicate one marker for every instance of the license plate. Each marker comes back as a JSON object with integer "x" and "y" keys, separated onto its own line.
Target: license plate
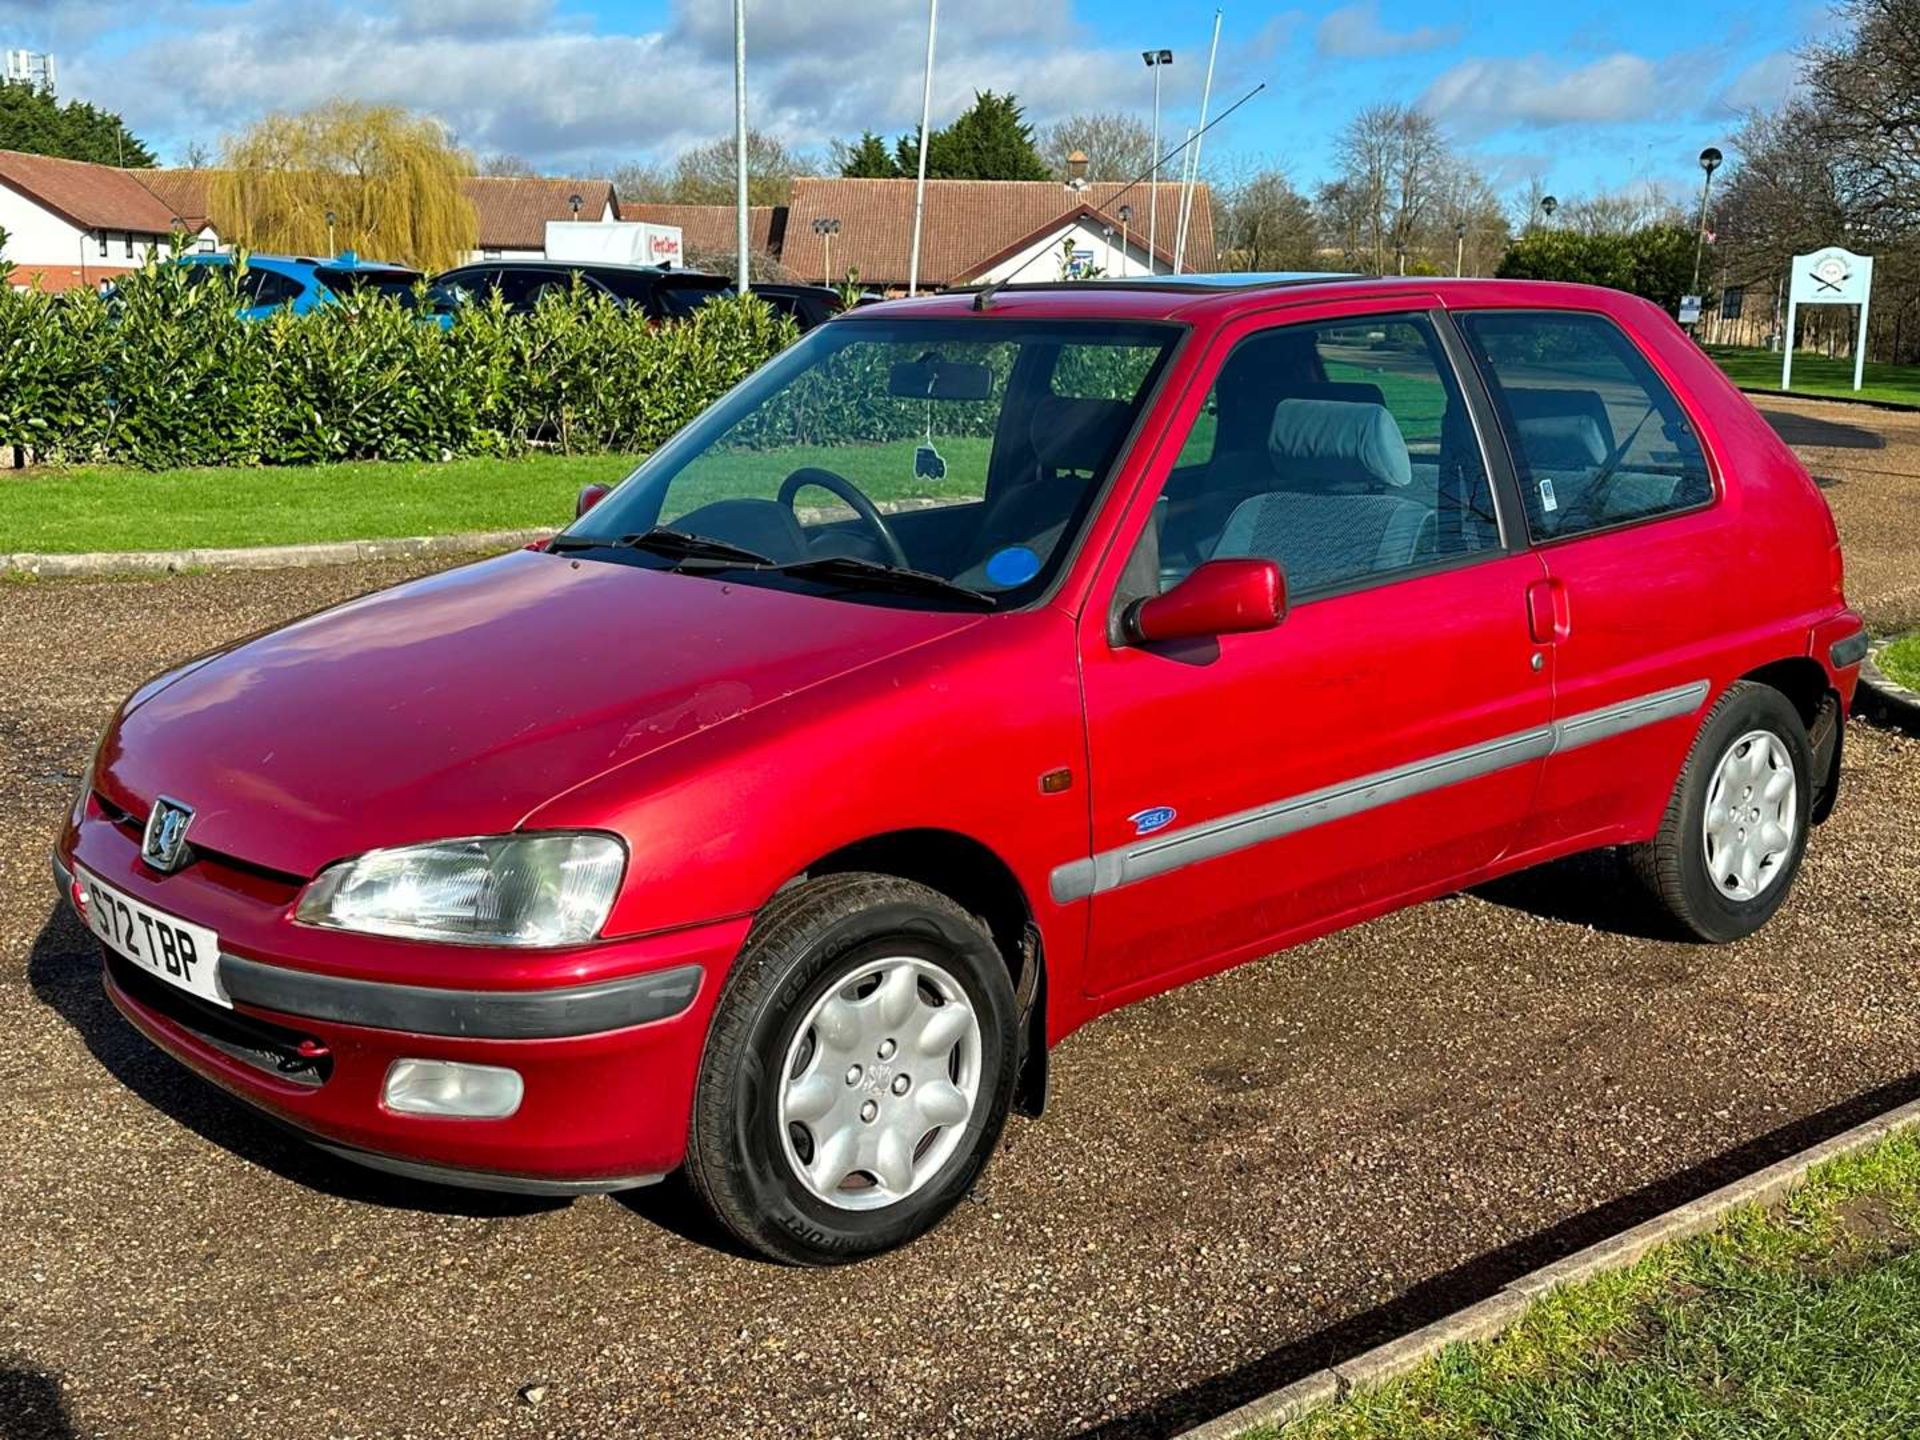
{"x": 161, "y": 944}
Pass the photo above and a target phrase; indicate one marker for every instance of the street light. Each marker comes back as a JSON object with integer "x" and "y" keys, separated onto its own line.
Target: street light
{"x": 330, "y": 249}
{"x": 1709, "y": 162}
{"x": 1547, "y": 206}
{"x": 826, "y": 227}
{"x": 1459, "y": 248}
{"x": 1126, "y": 214}
{"x": 1156, "y": 60}
{"x": 574, "y": 202}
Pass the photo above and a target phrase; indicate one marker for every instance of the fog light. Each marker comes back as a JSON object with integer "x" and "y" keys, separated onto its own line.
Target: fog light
{"x": 446, "y": 1087}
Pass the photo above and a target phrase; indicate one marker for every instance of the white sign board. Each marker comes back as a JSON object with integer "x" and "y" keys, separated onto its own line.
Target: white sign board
{"x": 615, "y": 242}
{"x": 1833, "y": 276}
{"x": 1689, "y": 309}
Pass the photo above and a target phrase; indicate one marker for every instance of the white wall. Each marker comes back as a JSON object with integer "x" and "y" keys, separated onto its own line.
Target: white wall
{"x": 1108, "y": 255}
{"x": 36, "y": 236}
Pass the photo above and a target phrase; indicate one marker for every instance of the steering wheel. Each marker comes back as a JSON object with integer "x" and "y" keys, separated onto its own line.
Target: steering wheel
{"x": 865, "y": 509}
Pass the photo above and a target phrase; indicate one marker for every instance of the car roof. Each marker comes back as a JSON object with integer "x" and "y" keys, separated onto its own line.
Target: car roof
{"x": 585, "y": 267}
{"x": 300, "y": 263}
{"x": 1219, "y": 297}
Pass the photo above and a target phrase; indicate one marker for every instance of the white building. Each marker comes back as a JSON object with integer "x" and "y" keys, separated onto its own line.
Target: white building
{"x": 71, "y": 223}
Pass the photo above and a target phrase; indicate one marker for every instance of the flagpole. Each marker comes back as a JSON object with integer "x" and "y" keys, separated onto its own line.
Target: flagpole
{"x": 743, "y": 279}
{"x": 920, "y": 182}
{"x": 1186, "y": 202}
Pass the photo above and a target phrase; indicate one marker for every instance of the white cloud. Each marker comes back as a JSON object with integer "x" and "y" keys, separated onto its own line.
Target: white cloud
{"x": 1763, "y": 84}
{"x": 1356, "y": 32}
{"x": 510, "y": 75}
{"x": 1477, "y": 96}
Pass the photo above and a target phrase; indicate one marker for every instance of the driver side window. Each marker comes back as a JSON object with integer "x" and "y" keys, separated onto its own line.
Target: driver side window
{"x": 1343, "y": 450}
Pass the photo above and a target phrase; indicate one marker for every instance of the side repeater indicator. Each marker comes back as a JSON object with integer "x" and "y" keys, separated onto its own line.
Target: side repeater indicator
{"x": 1156, "y": 817}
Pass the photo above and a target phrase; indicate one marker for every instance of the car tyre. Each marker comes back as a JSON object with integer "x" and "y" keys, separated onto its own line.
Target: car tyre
{"x": 1735, "y": 830}
{"x": 821, "y": 1055}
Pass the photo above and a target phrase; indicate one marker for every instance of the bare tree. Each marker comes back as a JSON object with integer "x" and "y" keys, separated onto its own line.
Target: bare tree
{"x": 641, "y": 184}
{"x": 507, "y": 165}
{"x": 1118, "y": 146}
{"x": 705, "y": 174}
{"x": 1262, "y": 223}
{"x": 1394, "y": 164}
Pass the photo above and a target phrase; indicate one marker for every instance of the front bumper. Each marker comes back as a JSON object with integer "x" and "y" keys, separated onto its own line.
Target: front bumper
{"x": 607, "y": 1041}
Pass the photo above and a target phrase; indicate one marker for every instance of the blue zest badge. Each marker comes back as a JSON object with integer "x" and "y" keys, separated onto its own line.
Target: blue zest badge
{"x": 1157, "y": 817}
{"x": 1012, "y": 566}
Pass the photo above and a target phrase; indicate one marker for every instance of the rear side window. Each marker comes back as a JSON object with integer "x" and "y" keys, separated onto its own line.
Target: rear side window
{"x": 266, "y": 287}
{"x": 1597, "y": 437}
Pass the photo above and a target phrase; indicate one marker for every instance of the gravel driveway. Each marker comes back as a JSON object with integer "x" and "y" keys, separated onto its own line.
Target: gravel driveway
{"x": 1237, "y": 1181}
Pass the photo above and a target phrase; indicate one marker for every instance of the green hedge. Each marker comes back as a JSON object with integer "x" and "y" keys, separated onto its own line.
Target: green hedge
{"x": 166, "y": 373}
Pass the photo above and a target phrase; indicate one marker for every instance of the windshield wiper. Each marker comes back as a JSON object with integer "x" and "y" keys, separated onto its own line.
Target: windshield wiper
{"x": 664, "y": 540}
{"x": 873, "y": 574}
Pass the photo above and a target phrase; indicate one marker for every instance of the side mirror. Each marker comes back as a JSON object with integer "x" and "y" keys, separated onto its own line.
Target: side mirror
{"x": 590, "y": 496}
{"x": 1220, "y": 597}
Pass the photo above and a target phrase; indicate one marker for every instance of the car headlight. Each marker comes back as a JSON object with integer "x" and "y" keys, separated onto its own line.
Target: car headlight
{"x": 532, "y": 889}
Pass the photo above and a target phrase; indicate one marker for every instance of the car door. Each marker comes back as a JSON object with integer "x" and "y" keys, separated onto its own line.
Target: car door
{"x": 1384, "y": 740}
{"x": 1619, "y": 499}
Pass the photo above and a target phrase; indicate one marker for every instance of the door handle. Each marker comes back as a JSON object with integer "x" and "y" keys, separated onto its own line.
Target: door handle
{"x": 1548, "y": 617}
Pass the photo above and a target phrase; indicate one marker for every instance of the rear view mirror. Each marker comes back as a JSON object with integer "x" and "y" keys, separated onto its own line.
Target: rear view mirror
{"x": 931, "y": 378}
{"x": 1220, "y": 597}
{"x": 590, "y": 496}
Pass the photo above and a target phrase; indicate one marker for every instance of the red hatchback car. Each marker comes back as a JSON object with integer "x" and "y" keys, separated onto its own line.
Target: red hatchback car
{"x": 981, "y": 664}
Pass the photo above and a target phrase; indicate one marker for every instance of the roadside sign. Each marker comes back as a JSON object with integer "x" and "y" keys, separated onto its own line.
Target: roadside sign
{"x": 1689, "y": 309}
{"x": 1833, "y": 276}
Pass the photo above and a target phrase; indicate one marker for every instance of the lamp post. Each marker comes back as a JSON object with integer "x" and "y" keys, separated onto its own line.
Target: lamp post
{"x": 1547, "y": 206}
{"x": 1400, "y": 256}
{"x": 826, "y": 227}
{"x": 1459, "y": 248}
{"x": 1126, "y": 214}
{"x": 1155, "y": 60}
{"x": 1709, "y": 162}
{"x": 574, "y": 202}
{"x": 330, "y": 249}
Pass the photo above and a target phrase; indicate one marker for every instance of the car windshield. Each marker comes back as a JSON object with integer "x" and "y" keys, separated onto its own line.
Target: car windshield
{"x": 903, "y": 461}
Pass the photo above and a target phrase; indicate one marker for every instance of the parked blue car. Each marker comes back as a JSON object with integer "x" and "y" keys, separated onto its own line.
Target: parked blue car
{"x": 301, "y": 283}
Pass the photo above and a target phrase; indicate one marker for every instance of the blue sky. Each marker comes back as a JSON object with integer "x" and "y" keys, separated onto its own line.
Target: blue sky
{"x": 1588, "y": 99}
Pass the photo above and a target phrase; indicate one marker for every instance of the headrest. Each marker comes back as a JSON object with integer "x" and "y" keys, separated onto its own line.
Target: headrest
{"x": 1337, "y": 442}
{"x": 1561, "y": 442}
{"x": 1353, "y": 391}
{"x": 1073, "y": 434}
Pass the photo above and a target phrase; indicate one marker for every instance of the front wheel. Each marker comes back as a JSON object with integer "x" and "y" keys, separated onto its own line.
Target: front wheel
{"x": 858, "y": 1072}
{"x": 1734, "y": 832}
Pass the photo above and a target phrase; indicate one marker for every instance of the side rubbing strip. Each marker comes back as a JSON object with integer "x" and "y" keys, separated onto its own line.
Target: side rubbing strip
{"x": 1078, "y": 879}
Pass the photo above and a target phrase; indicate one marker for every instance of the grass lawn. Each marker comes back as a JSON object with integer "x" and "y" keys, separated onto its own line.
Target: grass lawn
{"x": 1900, "y": 661}
{"x": 110, "y": 508}
{"x": 1799, "y": 1321}
{"x": 63, "y": 511}
{"x": 1753, "y": 369}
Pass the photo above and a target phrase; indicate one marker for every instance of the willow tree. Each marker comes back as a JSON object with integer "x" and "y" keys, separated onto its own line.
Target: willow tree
{"x": 391, "y": 181}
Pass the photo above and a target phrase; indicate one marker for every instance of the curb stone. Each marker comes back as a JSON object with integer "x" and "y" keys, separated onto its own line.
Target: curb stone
{"x": 1768, "y": 392}
{"x": 265, "y": 557}
{"x": 1892, "y": 700}
{"x": 1488, "y": 1318}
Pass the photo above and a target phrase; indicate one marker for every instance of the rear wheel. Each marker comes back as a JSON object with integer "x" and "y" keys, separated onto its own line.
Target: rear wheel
{"x": 1734, "y": 832}
{"x": 858, "y": 1072}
